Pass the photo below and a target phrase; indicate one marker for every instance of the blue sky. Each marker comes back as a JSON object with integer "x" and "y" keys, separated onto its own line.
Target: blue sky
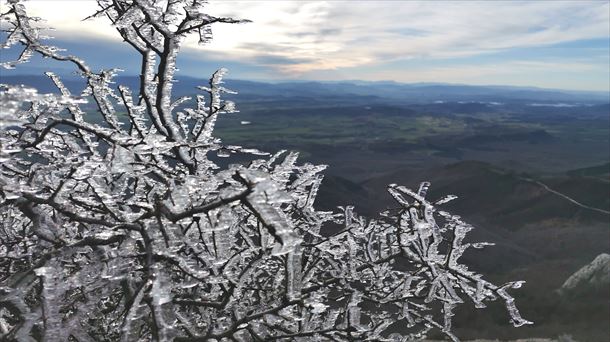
{"x": 551, "y": 44}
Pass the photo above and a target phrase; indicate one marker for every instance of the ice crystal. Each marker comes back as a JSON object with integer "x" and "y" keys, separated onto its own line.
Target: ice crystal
{"x": 126, "y": 229}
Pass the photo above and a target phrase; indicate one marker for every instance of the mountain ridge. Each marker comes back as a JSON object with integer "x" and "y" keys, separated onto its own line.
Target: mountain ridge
{"x": 404, "y": 92}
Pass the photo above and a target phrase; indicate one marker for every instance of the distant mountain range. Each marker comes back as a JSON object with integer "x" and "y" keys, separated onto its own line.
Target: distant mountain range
{"x": 357, "y": 91}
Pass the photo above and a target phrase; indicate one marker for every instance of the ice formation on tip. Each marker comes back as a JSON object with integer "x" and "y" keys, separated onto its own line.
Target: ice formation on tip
{"x": 125, "y": 228}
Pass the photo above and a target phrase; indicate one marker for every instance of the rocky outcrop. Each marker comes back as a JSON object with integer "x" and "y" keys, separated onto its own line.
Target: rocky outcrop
{"x": 594, "y": 275}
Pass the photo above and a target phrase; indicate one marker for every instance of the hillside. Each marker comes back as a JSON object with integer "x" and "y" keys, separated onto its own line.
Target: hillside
{"x": 540, "y": 237}
{"x": 490, "y": 146}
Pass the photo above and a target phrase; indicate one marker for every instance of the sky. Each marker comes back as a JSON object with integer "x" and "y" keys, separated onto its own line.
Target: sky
{"x": 546, "y": 43}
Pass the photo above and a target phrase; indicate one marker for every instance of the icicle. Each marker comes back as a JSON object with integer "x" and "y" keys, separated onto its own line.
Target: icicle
{"x": 264, "y": 199}
{"x": 354, "y": 310}
{"x": 293, "y": 273}
{"x": 423, "y": 189}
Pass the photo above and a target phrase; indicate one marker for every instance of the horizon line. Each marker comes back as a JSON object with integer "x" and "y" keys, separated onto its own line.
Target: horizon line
{"x": 280, "y": 81}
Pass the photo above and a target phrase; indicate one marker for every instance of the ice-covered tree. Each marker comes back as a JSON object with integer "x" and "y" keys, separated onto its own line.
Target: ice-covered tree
{"x": 118, "y": 225}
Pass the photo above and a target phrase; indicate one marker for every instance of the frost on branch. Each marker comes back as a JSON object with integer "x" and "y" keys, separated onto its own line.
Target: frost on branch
{"x": 122, "y": 227}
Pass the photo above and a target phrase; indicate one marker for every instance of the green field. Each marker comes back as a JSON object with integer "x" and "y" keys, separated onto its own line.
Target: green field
{"x": 393, "y": 137}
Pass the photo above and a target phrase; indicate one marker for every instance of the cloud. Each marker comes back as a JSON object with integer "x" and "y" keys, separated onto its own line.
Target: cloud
{"x": 274, "y": 60}
{"x": 302, "y": 39}
{"x": 66, "y": 18}
{"x": 322, "y": 35}
{"x": 339, "y": 34}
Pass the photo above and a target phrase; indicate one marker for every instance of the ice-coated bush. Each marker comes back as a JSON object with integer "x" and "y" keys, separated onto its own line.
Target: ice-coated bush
{"x": 118, "y": 224}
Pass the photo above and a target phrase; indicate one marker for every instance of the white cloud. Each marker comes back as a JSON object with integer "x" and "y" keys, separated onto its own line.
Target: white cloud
{"x": 338, "y": 34}
{"x": 301, "y": 38}
{"x": 66, "y": 17}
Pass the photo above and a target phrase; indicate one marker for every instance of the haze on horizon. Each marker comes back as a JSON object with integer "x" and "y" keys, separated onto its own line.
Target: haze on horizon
{"x": 549, "y": 44}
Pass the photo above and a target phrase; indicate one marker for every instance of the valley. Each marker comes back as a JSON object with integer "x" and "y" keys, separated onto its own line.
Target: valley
{"x": 500, "y": 160}
{"x": 514, "y": 157}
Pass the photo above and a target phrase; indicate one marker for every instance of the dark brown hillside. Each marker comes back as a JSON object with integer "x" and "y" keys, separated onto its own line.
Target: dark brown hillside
{"x": 540, "y": 237}
{"x": 504, "y": 199}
